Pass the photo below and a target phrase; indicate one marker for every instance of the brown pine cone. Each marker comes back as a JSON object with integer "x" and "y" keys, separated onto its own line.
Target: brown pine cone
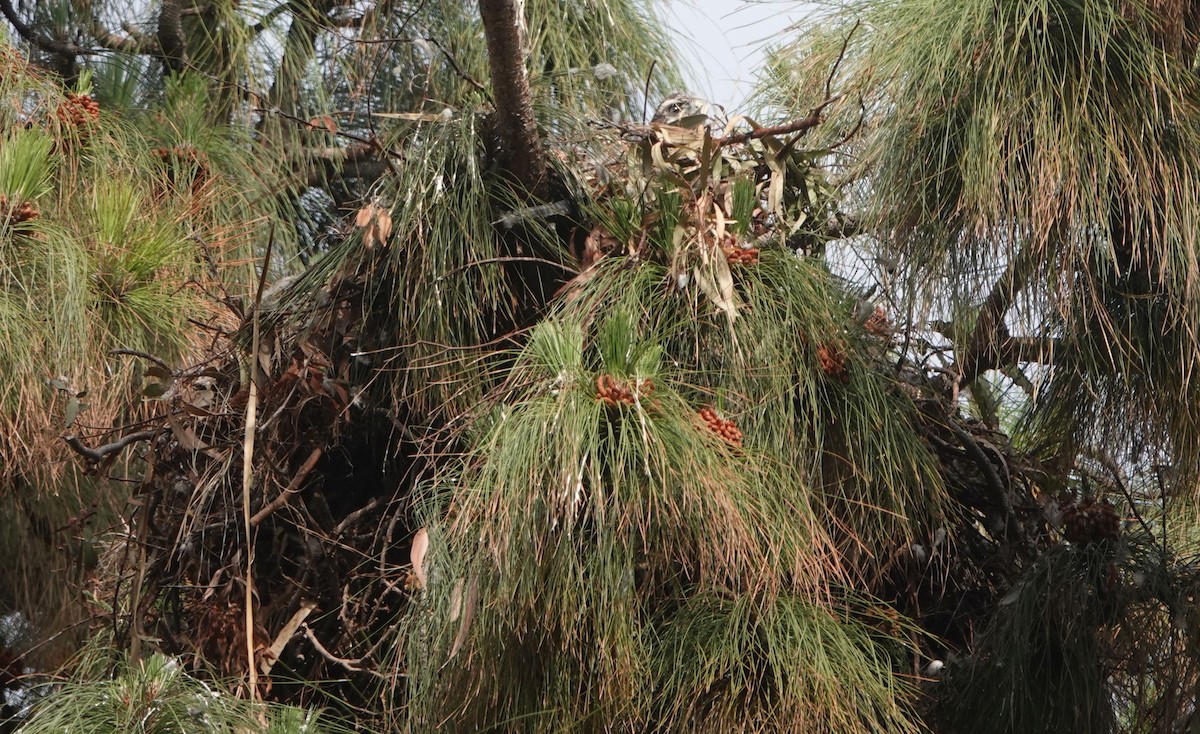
{"x": 17, "y": 212}
{"x": 78, "y": 110}
{"x": 833, "y": 362}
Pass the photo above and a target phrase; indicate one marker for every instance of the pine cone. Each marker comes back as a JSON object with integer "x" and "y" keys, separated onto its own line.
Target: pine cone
{"x": 1088, "y": 521}
{"x": 741, "y": 255}
{"x": 612, "y": 391}
{"x": 78, "y": 110}
{"x": 17, "y": 213}
{"x": 833, "y": 362}
{"x": 726, "y": 429}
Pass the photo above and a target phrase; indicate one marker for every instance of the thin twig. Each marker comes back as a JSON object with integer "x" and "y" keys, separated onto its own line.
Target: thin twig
{"x": 248, "y": 467}
{"x": 514, "y": 259}
{"x": 990, "y": 330}
{"x": 292, "y": 488}
{"x": 838, "y": 63}
{"x": 354, "y": 517}
{"x": 458, "y": 69}
{"x": 1119, "y": 479}
{"x": 142, "y": 355}
{"x": 983, "y": 462}
{"x": 351, "y": 665}
{"x": 646, "y": 89}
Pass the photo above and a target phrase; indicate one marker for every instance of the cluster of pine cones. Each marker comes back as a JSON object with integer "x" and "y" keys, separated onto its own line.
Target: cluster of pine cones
{"x": 877, "y": 323}
{"x": 833, "y": 362}
{"x": 16, "y": 213}
{"x": 741, "y": 255}
{"x": 611, "y": 391}
{"x": 1089, "y": 521}
{"x": 78, "y": 110}
{"x": 724, "y": 428}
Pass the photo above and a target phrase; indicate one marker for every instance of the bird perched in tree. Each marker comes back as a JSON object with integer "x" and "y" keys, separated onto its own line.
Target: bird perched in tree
{"x": 686, "y": 110}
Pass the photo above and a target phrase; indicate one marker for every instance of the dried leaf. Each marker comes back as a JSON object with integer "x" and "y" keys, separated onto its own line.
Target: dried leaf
{"x": 324, "y": 122}
{"x": 718, "y": 285}
{"x": 195, "y": 410}
{"x": 160, "y": 373}
{"x": 187, "y": 438}
{"x": 456, "y": 600}
{"x": 74, "y": 406}
{"x": 420, "y": 546}
{"x": 468, "y": 613}
{"x": 376, "y": 224}
{"x": 364, "y": 215}
{"x": 154, "y": 389}
{"x": 383, "y": 225}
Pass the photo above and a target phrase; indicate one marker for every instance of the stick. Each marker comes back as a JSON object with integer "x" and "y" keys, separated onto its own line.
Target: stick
{"x": 100, "y": 453}
{"x": 248, "y": 470}
{"x": 292, "y": 488}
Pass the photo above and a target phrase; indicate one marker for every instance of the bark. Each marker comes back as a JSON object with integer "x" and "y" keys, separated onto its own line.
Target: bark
{"x": 171, "y": 39}
{"x": 1174, "y": 27}
{"x": 521, "y": 153}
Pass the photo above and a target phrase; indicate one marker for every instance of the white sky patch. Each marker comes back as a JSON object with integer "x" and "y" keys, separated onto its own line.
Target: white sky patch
{"x": 722, "y": 42}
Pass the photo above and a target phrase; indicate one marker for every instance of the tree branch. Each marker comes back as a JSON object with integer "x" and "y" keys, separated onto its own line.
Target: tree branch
{"x": 521, "y": 154}
{"x": 982, "y": 353}
{"x": 100, "y": 453}
{"x": 292, "y": 488}
{"x": 50, "y": 45}
{"x": 133, "y": 43}
{"x": 361, "y": 160}
{"x": 803, "y": 125}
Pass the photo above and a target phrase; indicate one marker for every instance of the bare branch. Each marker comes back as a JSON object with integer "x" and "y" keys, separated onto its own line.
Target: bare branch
{"x": 134, "y": 42}
{"x": 62, "y": 48}
{"x": 292, "y": 488}
{"x": 802, "y": 126}
{"x": 142, "y": 355}
{"x": 353, "y": 666}
{"x": 361, "y": 160}
{"x": 100, "y": 453}
{"x": 455, "y": 66}
{"x": 841, "y": 56}
{"x": 981, "y": 354}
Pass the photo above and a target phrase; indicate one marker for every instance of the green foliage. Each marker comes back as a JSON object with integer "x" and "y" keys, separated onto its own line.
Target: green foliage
{"x": 741, "y": 665}
{"x": 156, "y": 696}
{"x": 101, "y": 261}
{"x": 659, "y": 504}
{"x": 1055, "y": 139}
{"x": 1040, "y": 667}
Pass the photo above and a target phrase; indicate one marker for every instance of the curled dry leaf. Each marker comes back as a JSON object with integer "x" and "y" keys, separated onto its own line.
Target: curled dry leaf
{"x": 324, "y": 122}
{"x": 420, "y": 546}
{"x": 466, "y": 609}
{"x": 376, "y": 223}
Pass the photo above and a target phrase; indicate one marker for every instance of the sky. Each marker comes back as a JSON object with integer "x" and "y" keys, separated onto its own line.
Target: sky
{"x": 722, "y": 41}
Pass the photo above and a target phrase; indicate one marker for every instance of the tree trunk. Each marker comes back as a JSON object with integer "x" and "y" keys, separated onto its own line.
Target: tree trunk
{"x": 521, "y": 152}
{"x": 171, "y": 38}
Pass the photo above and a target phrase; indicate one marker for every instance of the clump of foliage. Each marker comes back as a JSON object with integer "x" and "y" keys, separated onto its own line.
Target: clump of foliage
{"x": 155, "y": 696}
{"x": 848, "y": 424}
{"x": 611, "y": 552}
{"x": 115, "y": 233}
